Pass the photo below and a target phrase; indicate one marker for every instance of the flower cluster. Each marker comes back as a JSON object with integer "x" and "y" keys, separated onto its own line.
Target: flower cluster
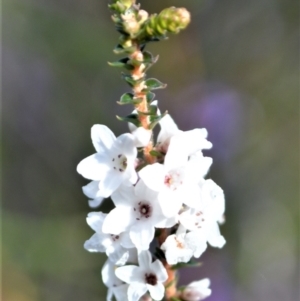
{"x": 171, "y": 194}
{"x": 165, "y": 210}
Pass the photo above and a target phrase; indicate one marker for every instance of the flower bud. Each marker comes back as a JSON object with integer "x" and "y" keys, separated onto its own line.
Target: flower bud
{"x": 171, "y": 20}
{"x": 196, "y": 291}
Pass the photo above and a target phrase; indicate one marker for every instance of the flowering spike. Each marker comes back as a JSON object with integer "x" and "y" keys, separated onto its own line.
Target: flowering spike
{"x": 157, "y": 183}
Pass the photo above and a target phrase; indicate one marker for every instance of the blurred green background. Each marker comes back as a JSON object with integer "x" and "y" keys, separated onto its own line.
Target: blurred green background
{"x": 235, "y": 71}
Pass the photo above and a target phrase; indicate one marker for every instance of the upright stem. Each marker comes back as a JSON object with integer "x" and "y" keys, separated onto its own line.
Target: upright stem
{"x": 138, "y": 73}
{"x": 170, "y": 284}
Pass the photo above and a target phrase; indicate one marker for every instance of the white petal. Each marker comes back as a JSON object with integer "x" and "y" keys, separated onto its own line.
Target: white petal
{"x": 96, "y": 202}
{"x": 95, "y": 220}
{"x": 93, "y": 167}
{"x": 108, "y": 274}
{"x": 91, "y": 189}
{"x": 102, "y": 137}
{"x": 141, "y": 235}
{"x": 117, "y": 220}
{"x": 167, "y": 222}
{"x": 136, "y": 291}
{"x": 145, "y": 259}
{"x": 215, "y": 239}
{"x": 142, "y": 192}
{"x": 196, "y": 241}
{"x": 117, "y": 254}
{"x": 124, "y": 195}
{"x": 159, "y": 270}
{"x": 156, "y": 291}
{"x": 168, "y": 129}
{"x": 127, "y": 273}
{"x": 94, "y": 244}
{"x": 192, "y": 195}
{"x": 110, "y": 183}
{"x": 124, "y": 144}
{"x": 125, "y": 240}
{"x": 141, "y": 136}
{"x": 197, "y": 290}
{"x": 153, "y": 176}
{"x": 170, "y": 202}
{"x": 120, "y": 292}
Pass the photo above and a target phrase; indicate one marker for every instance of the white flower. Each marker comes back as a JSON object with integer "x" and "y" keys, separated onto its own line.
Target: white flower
{"x": 188, "y": 142}
{"x": 196, "y": 291}
{"x": 177, "y": 180}
{"x": 114, "y": 161}
{"x": 180, "y": 247}
{"x": 148, "y": 276}
{"x": 115, "y": 246}
{"x": 138, "y": 212}
{"x": 208, "y": 214}
{"x": 115, "y": 286}
{"x": 92, "y": 191}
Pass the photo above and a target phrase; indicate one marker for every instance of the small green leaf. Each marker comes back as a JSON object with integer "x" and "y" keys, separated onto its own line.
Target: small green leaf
{"x": 149, "y": 58}
{"x": 153, "y": 84}
{"x": 132, "y": 118}
{"x": 155, "y": 153}
{"x": 131, "y": 81}
{"x": 150, "y": 96}
{"x": 152, "y": 112}
{"x": 155, "y": 120}
{"x": 175, "y": 299}
{"x": 189, "y": 264}
{"x": 122, "y": 63}
{"x": 128, "y": 98}
{"x": 119, "y": 49}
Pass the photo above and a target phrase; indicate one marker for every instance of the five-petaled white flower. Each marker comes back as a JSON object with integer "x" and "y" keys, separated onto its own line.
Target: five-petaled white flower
{"x": 115, "y": 246}
{"x": 180, "y": 247}
{"x": 113, "y": 163}
{"x": 208, "y": 215}
{"x": 138, "y": 212}
{"x": 148, "y": 276}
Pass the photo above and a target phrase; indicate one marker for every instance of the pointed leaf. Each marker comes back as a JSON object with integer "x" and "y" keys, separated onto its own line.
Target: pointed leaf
{"x": 155, "y": 120}
{"x": 153, "y": 83}
{"x": 150, "y": 96}
{"x": 132, "y": 118}
{"x": 128, "y": 98}
{"x": 131, "y": 81}
{"x": 155, "y": 153}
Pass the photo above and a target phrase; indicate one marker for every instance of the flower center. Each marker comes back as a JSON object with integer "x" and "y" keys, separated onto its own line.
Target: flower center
{"x": 151, "y": 279}
{"x": 143, "y": 210}
{"x": 119, "y": 163}
{"x": 114, "y": 237}
{"x": 199, "y": 219}
{"x": 173, "y": 179}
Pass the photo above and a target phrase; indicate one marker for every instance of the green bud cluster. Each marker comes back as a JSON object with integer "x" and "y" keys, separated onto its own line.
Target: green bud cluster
{"x": 120, "y": 6}
{"x": 137, "y": 28}
{"x": 170, "y": 20}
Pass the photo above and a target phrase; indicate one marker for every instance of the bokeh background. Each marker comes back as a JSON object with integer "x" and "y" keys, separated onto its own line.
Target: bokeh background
{"x": 235, "y": 71}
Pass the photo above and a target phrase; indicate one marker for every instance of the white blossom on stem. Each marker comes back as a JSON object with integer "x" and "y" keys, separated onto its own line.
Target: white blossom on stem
{"x": 113, "y": 163}
{"x": 115, "y": 246}
{"x": 148, "y": 276}
{"x": 207, "y": 216}
{"x": 196, "y": 290}
{"x": 116, "y": 287}
{"x": 180, "y": 247}
{"x": 138, "y": 212}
